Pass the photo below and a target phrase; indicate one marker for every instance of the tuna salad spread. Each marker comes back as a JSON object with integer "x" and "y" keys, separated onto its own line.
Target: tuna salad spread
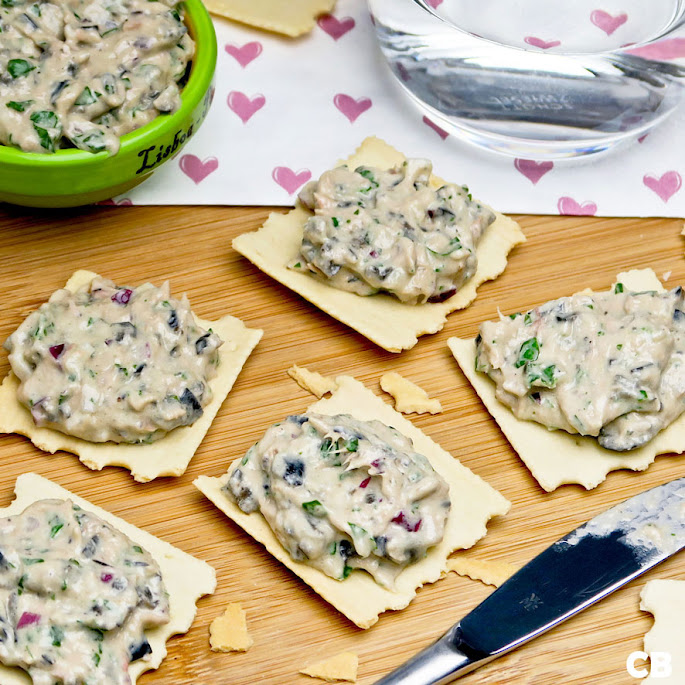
{"x": 114, "y": 363}
{"x": 607, "y": 364}
{"x": 377, "y": 230}
{"x": 343, "y": 494}
{"x": 77, "y": 596}
{"x": 84, "y": 72}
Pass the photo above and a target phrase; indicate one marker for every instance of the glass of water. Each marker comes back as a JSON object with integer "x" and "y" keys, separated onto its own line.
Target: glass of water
{"x": 538, "y": 78}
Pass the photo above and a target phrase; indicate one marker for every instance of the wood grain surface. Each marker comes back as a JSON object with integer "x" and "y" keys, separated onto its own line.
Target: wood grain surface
{"x": 291, "y": 626}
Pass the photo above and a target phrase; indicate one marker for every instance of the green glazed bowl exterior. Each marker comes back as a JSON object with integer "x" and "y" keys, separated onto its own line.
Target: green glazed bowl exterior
{"x": 72, "y": 177}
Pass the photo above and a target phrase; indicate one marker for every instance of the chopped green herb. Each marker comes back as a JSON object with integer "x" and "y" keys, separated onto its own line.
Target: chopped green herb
{"x": 138, "y": 549}
{"x": 527, "y": 319}
{"x": 332, "y": 547}
{"x": 57, "y": 635}
{"x": 56, "y": 529}
{"x": 31, "y": 562}
{"x": 352, "y": 445}
{"x": 19, "y": 67}
{"x": 346, "y": 572}
{"x": 314, "y": 507}
{"x": 530, "y": 349}
{"x": 86, "y": 97}
{"x": 19, "y": 106}
{"x": 335, "y": 221}
{"x": 618, "y": 288}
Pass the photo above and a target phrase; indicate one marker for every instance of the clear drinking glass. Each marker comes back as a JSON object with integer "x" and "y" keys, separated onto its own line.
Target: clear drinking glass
{"x": 538, "y": 78}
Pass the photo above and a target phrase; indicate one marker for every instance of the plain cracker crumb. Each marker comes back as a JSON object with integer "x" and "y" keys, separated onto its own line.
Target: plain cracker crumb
{"x": 311, "y": 381}
{"x": 342, "y": 666}
{"x": 228, "y": 632}
{"x": 409, "y": 397}
{"x": 488, "y": 572}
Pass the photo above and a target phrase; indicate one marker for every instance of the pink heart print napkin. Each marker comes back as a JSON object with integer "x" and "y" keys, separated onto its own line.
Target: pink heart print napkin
{"x": 285, "y": 110}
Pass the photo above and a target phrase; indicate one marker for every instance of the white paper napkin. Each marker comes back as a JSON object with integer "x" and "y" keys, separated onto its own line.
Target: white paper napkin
{"x": 286, "y": 110}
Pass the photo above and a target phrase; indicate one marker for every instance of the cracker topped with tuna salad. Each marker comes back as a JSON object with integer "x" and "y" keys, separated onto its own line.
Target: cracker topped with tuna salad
{"x": 120, "y": 375}
{"x": 586, "y": 384}
{"x": 384, "y": 246}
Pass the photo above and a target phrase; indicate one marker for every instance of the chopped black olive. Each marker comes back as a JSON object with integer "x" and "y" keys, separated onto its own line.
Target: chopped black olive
{"x": 91, "y": 546}
{"x": 193, "y": 407}
{"x": 294, "y": 472}
{"x": 124, "y": 329}
{"x": 345, "y": 549}
{"x": 173, "y": 322}
{"x": 138, "y": 651}
{"x": 201, "y": 343}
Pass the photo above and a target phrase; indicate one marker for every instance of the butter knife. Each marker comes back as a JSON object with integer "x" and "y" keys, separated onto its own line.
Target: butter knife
{"x": 576, "y": 571}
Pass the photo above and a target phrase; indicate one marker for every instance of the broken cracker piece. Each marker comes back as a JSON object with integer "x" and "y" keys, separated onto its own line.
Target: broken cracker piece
{"x": 311, "y": 381}
{"x": 409, "y": 397}
{"x": 185, "y": 577}
{"x": 555, "y": 457}
{"x": 342, "y": 666}
{"x": 665, "y": 599}
{"x": 228, "y": 632}
{"x": 293, "y": 18}
{"x": 359, "y": 597}
{"x": 168, "y": 456}
{"x": 488, "y": 572}
{"x": 381, "y": 318}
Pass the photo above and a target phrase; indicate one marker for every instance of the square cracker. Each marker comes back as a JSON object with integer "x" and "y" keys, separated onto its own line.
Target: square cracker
{"x": 556, "y": 457}
{"x": 290, "y": 17}
{"x": 383, "y": 319}
{"x": 665, "y": 599}
{"x": 359, "y": 597}
{"x": 185, "y": 577}
{"x": 168, "y": 456}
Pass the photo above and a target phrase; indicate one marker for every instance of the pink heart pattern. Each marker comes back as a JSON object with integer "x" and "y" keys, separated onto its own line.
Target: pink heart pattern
{"x": 569, "y": 207}
{"x": 350, "y": 107}
{"x": 124, "y": 202}
{"x": 607, "y": 22}
{"x": 334, "y": 27}
{"x": 244, "y": 54}
{"x": 440, "y": 131}
{"x": 666, "y": 186}
{"x": 243, "y": 106}
{"x": 543, "y": 44}
{"x": 196, "y": 169}
{"x": 533, "y": 170}
{"x": 669, "y": 48}
{"x": 290, "y": 180}
{"x": 434, "y": 3}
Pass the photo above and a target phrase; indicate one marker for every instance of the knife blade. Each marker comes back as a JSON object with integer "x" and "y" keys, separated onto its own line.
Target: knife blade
{"x": 576, "y": 571}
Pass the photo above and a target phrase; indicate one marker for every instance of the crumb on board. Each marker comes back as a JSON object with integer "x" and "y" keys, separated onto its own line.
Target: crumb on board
{"x": 228, "y": 632}
{"x": 488, "y": 572}
{"x": 409, "y": 397}
{"x": 342, "y": 666}
{"x": 311, "y": 381}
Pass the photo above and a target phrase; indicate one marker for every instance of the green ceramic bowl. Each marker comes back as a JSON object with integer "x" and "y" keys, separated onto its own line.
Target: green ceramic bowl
{"x": 74, "y": 177}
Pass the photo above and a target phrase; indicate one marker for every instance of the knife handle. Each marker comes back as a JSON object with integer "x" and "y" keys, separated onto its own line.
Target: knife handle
{"x": 438, "y": 664}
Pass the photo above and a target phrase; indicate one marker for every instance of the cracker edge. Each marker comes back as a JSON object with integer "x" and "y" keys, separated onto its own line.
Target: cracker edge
{"x": 409, "y": 397}
{"x": 557, "y": 458}
{"x": 176, "y": 566}
{"x": 343, "y": 666}
{"x": 467, "y": 491}
{"x": 373, "y": 317}
{"x": 486, "y": 571}
{"x": 285, "y": 24}
{"x": 179, "y": 445}
{"x": 228, "y": 631}
{"x": 312, "y": 381}
{"x": 658, "y": 601}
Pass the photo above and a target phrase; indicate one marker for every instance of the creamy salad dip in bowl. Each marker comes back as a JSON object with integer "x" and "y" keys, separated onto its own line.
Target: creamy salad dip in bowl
{"x": 69, "y": 176}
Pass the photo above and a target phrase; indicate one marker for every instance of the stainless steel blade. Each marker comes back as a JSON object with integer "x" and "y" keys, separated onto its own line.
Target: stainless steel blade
{"x": 580, "y": 569}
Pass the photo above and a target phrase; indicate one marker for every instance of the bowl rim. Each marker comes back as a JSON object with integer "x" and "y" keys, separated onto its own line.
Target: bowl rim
{"x": 199, "y": 81}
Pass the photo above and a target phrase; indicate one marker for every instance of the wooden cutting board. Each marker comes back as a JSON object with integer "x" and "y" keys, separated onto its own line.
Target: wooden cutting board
{"x": 290, "y": 624}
